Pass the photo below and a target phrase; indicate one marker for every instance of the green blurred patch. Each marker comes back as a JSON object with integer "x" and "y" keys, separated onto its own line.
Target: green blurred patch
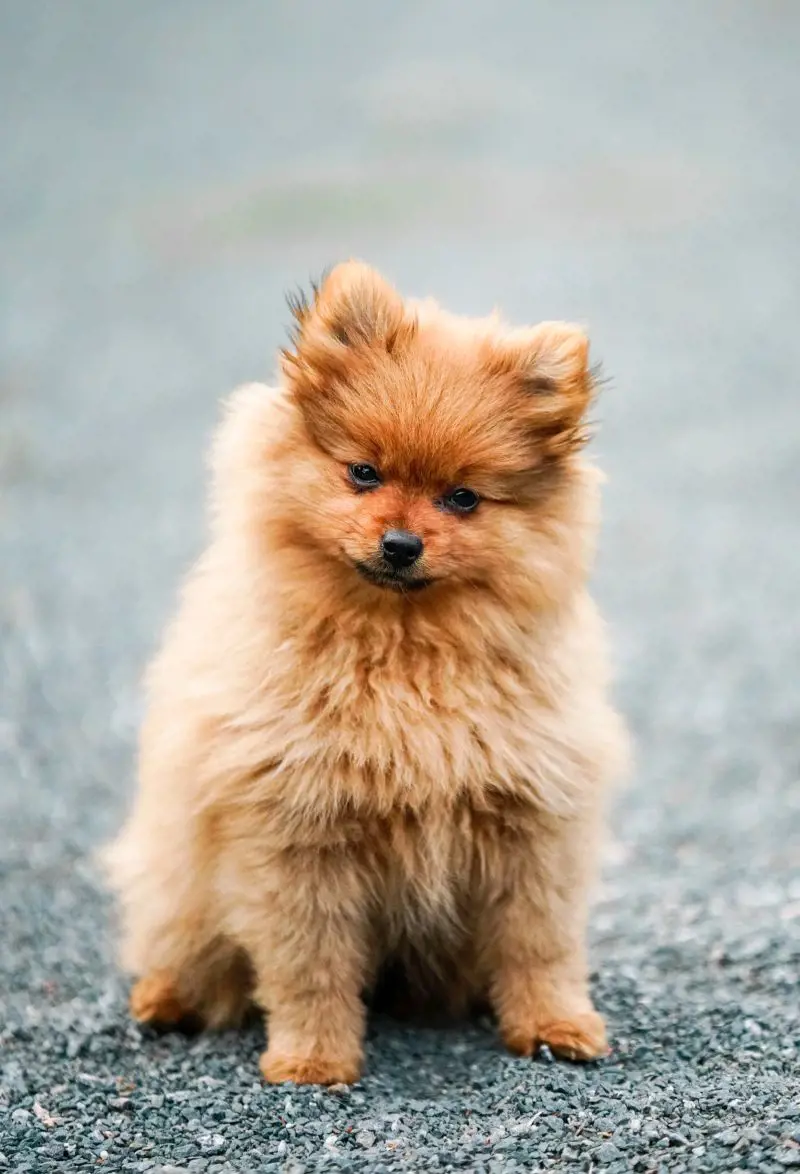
{"x": 308, "y": 207}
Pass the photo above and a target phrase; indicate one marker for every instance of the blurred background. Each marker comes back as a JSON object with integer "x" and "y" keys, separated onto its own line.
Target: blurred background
{"x": 169, "y": 169}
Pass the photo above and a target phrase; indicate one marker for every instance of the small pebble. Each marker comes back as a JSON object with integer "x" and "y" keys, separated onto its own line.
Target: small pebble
{"x": 212, "y": 1143}
{"x": 119, "y": 1103}
{"x": 607, "y": 1152}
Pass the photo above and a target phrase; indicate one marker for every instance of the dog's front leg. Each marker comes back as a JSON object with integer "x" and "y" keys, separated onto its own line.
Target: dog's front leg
{"x": 307, "y": 939}
{"x": 531, "y": 941}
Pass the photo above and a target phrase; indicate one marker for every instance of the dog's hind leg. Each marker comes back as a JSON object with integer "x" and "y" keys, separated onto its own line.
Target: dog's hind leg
{"x": 213, "y": 990}
{"x": 171, "y": 937}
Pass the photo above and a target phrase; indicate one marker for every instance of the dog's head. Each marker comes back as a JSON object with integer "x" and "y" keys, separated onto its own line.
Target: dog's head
{"x": 433, "y": 449}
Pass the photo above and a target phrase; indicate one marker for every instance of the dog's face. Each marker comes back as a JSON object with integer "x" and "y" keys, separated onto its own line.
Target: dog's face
{"x": 432, "y": 447}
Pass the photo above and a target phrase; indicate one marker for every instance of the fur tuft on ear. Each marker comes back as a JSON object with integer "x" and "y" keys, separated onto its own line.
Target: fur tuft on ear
{"x": 359, "y": 307}
{"x": 550, "y": 365}
{"x": 558, "y": 355}
{"x": 353, "y": 308}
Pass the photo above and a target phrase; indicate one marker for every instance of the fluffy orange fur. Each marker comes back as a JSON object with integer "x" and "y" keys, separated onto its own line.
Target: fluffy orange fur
{"x": 343, "y": 774}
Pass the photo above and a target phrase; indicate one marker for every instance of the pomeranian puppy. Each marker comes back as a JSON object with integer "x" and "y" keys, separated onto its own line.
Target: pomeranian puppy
{"x": 378, "y": 735}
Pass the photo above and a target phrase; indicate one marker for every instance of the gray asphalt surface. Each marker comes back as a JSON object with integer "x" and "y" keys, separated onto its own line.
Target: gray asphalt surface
{"x": 167, "y": 171}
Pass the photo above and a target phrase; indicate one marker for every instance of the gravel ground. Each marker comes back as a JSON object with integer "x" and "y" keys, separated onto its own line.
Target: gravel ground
{"x": 168, "y": 170}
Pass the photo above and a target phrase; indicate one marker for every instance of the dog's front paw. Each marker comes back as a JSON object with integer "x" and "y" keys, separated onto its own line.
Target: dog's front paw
{"x": 277, "y": 1067}
{"x": 578, "y": 1037}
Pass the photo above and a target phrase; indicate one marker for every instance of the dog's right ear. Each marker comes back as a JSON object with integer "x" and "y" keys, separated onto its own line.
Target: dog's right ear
{"x": 354, "y": 309}
{"x": 549, "y": 364}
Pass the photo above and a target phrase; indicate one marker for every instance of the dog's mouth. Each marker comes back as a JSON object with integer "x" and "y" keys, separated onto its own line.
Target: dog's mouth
{"x": 392, "y": 580}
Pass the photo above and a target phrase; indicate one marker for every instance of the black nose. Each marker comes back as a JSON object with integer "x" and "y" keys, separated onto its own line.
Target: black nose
{"x": 401, "y": 548}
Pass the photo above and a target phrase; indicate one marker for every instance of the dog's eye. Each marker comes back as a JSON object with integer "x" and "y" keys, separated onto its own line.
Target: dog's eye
{"x": 461, "y": 501}
{"x": 364, "y": 476}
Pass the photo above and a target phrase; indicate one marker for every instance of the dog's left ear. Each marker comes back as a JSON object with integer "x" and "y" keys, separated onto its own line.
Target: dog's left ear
{"x": 549, "y": 363}
{"x": 353, "y": 309}
{"x": 356, "y": 306}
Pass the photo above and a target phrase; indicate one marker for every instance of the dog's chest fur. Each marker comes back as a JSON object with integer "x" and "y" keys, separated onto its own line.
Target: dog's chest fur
{"x": 410, "y": 757}
{"x": 392, "y": 721}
